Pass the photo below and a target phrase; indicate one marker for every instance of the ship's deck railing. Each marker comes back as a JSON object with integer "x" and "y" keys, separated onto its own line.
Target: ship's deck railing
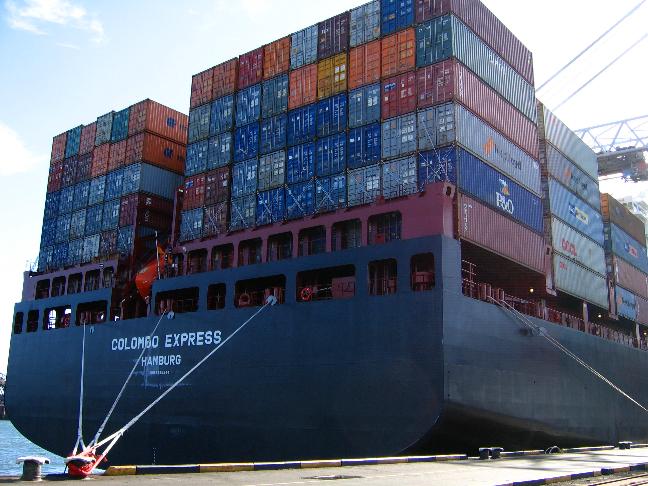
{"x": 486, "y": 292}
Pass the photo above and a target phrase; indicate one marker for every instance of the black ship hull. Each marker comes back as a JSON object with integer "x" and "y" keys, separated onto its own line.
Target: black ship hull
{"x": 413, "y": 372}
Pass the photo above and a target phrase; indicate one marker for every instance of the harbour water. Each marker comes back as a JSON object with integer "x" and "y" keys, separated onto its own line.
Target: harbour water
{"x": 13, "y": 445}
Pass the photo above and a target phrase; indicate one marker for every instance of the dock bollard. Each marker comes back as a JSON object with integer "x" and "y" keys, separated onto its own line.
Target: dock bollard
{"x": 490, "y": 452}
{"x": 32, "y": 466}
{"x": 625, "y": 444}
{"x": 496, "y": 452}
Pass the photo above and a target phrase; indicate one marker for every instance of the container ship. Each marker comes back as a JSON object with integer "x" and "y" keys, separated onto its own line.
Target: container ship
{"x": 429, "y": 230}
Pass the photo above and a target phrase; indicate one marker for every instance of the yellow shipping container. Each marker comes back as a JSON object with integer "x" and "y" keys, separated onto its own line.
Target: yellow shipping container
{"x": 332, "y": 76}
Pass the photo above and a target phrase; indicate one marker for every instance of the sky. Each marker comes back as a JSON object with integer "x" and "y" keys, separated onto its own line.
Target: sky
{"x": 65, "y": 62}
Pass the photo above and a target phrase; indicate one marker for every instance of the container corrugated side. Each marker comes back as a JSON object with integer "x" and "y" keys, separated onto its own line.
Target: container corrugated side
{"x": 45, "y": 256}
{"x": 222, "y": 115}
{"x": 120, "y": 126}
{"x": 300, "y": 200}
{"x": 615, "y": 212}
{"x": 246, "y": 142}
{"x": 331, "y": 155}
{"x": 330, "y": 193}
{"x": 626, "y": 303}
{"x": 250, "y": 68}
{"x": 81, "y": 193}
{"x": 110, "y": 217}
{"x": 303, "y": 47}
{"x": 73, "y": 141}
{"x": 364, "y": 64}
{"x": 93, "y": 219}
{"x": 332, "y": 76}
{"x": 104, "y": 126}
{"x": 63, "y": 228}
{"x": 59, "y": 255}
{"x": 300, "y": 165}
{"x": 272, "y": 134}
{"x": 492, "y": 230}
{"x": 575, "y": 212}
{"x": 243, "y": 212}
{"x": 558, "y": 134}
{"x": 114, "y": 184}
{"x": 271, "y": 206}
{"x": 66, "y": 200}
{"x": 58, "y": 147}
{"x": 194, "y": 192}
{"x": 571, "y": 176}
{"x": 52, "y": 201}
{"x": 77, "y": 224}
{"x": 151, "y": 179}
{"x": 301, "y": 125}
{"x": 365, "y": 23}
{"x": 199, "y": 123}
{"x": 197, "y": 156}
{"x": 225, "y": 78}
{"x": 90, "y": 248}
{"x": 219, "y": 150}
{"x": 87, "y": 142}
{"x": 272, "y": 170}
{"x": 274, "y": 100}
{"x": 69, "y": 171}
{"x": 364, "y": 106}
{"x": 84, "y": 168}
{"x": 396, "y": 15}
{"x": 629, "y": 277}
{"x": 333, "y": 36}
{"x": 450, "y": 80}
{"x": 248, "y": 106}
{"x": 216, "y": 219}
{"x": 276, "y": 58}
{"x": 100, "y": 160}
{"x": 399, "y": 136}
{"x": 364, "y": 146}
{"x": 117, "y": 156}
{"x": 201, "y": 88}
{"x": 398, "y": 53}
{"x": 75, "y": 252}
{"x": 244, "y": 178}
{"x": 624, "y": 246}
{"x": 108, "y": 244}
{"x": 399, "y": 177}
{"x": 572, "y": 244}
{"x": 363, "y": 185}
{"x": 642, "y": 310}
{"x": 217, "y": 186}
{"x": 155, "y": 150}
{"x": 153, "y": 117}
{"x": 302, "y": 86}
{"x": 576, "y": 280}
{"x": 398, "y": 95}
{"x": 191, "y": 224}
{"x": 331, "y": 115}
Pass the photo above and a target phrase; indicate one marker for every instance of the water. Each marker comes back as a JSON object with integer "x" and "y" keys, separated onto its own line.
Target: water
{"x": 13, "y": 445}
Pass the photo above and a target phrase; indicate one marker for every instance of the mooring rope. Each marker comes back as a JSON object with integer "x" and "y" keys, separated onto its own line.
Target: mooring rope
{"x": 79, "y": 440}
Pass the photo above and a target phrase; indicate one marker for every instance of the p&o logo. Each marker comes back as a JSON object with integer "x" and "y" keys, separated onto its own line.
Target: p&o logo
{"x": 503, "y": 198}
{"x": 568, "y": 247}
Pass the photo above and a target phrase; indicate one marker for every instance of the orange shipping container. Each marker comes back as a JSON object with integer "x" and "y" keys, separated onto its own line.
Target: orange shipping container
{"x": 276, "y": 58}
{"x": 87, "y": 143}
{"x": 150, "y": 116}
{"x": 201, "y": 88}
{"x": 398, "y": 53}
{"x": 364, "y": 64}
{"x": 303, "y": 86}
{"x": 100, "y": 158}
{"x": 225, "y": 77}
{"x": 117, "y": 155}
{"x": 332, "y": 76}
{"x": 155, "y": 150}
{"x": 58, "y": 147}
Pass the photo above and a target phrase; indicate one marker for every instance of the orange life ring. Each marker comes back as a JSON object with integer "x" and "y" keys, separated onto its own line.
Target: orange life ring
{"x": 244, "y": 300}
{"x": 306, "y": 293}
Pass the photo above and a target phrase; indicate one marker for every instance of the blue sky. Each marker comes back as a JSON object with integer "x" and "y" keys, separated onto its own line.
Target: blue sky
{"x": 64, "y": 62}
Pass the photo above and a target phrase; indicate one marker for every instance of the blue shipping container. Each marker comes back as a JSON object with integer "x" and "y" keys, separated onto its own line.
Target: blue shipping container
{"x": 110, "y": 217}
{"x": 363, "y": 185}
{"x": 300, "y": 200}
{"x": 73, "y": 141}
{"x": 437, "y": 166}
{"x": 52, "y": 201}
{"x": 396, "y": 15}
{"x": 75, "y": 252}
{"x": 219, "y": 153}
{"x": 364, "y": 146}
{"x": 63, "y": 228}
{"x": 104, "y": 126}
{"x": 498, "y": 191}
{"x": 114, "y": 184}
{"x": 48, "y": 233}
{"x": 222, "y": 115}
{"x": 81, "y": 193}
{"x": 270, "y": 206}
{"x": 301, "y": 125}
{"x": 330, "y": 193}
{"x": 244, "y": 178}
{"x": 66, "y": 200}
{"x": 93, "y": 219}
{"x": 575, "y": 212}
{"x": 624, "y": 246}
{"x": 331, "y": 155}
{"x": 197, "y": 154}
{"x": 243, "y": 212}
{"x": 273, "y": 134}
{"x": 125, "y": 239}
{"x": 199, "y": 123}
{"x": 275, "y": 96}
{"x": 150, "y": 179}
{"x": 59, "y": 255}
{"x": 77, "y": 224}
{"x": 246, "y": 142}
{"x": 45, "y": 258}
{"x": 248, "y": 105}
{"x": 332, "y": 115}
{"x": 303, "y": 47}
{"x": 97, "y": 190}
{"x": 364, "y": 105}
{"x": 626, "y": 303}
{"x": 301, "y": 163}
{"x": 191, "y": 224}
{"x": 120, "y": 126}
{"x": 571, "y": 176}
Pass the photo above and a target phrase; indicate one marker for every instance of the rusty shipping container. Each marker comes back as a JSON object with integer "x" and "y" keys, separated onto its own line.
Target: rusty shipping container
{"x": 225, "y": 78}
{"x": 201, "y": 88}
{"x": 194, "y": 192}
{"x": 145, "y": 210}
{"x": 364, "y": 64}
{"x": 486, "y": 25}
{"x": 157, "y": 151}
{"x": 302, "y": 86}
{"x": 629, "y": 277}
{"x": 276, "y": 58}
{"x": 84, "y": 168}
{"x": 250, "y": 68}
{"x": 100, "y": 160}
{"x": 333, "y": 36}
{"x": 615, "y": 212}
{"x": 54, "y": 177}
{"x": 451, "y": 80}
{"x": 58, "y": 147}
{"x": 117, "y": 156}
{"x": 332, "y": 76}
{"x": 217, "y": 186}
{"x": 496, "y": 232}
{"x": 398, "y": 53}
{"x": 88, "y": 134}
{"x": 398, "y": 95}
{"x": 151, "y": 116}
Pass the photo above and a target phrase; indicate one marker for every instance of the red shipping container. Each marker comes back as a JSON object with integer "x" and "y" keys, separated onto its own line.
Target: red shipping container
{"x": 87, "y": 143}
{"x": 250, "y": 68}
{"x": 100, "y": 159}
{"x": 333, "y": 36}
{"x": 225, "y": 77}
{"x": 202, "y": 88}
{"x": 642, "y": 310}
{"x": 364, "y": 64}
{"x": 630, "y": 278}
{"x": 155, "y": 150}
{"x": 276, "y": 58}
{"x": 486, "y": 25}
{"x": 194, "y": 192}
{"x": 398, "y": 95}
{"x": 84, "y": 168}
{"x": 494, "y": 231}
{"x": 398, "y": 53}
{"x": 55, "y": 175}
{"x": 215, "y": 219}
{"x": 58, "y": 147}
{"x": 117, "y": 155}
{"x": 303, "y": 86}
{"x": 151, "y": 116}
{"x": 451, "y": 80}
{"x": 69, "y": 171}
{"x": 145, "y": 210}
{"x": 217, "y": 186}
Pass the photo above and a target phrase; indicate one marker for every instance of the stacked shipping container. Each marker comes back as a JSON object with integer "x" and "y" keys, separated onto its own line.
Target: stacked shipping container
{"x": 365, "y": 106}
{"x": 110, "y": 181}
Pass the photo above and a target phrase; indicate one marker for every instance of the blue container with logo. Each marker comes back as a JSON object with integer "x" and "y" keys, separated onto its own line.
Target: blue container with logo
{"x": 94, "y": 216}
{"x": 301, "y": 125}
{"x": 199, "y": 123}
{"x": 498, "y": 191}
{"x": 244, "y": 178}
{"x": 626, "y": 303}
{"x": 575, "y": 212}
{"x": 248, "y": 105}
{"x": 120, "y": 126}
{"x": 438, "y": 165}
{"x": 332, "y": 115}
{"x": 364, "y": 105}
{"x": 73, "y": 141}
{"x": 624, "y": 246}
{"x": 330, "y": 193}
{"x": 110, "y": 217}
{"x": 275, "y": 96}
{"x": 219, "y": 150}
{"x": 300, "y": 200}
{"x": 364, "y": 146}
{"x": 273, "y": 134}
{"x": 81, "y": 193}
{"x": 222, "y": 115}
{"x": 270, "y": 206}
{"x": 300, "y": 165}
{"x": 197, "y": 154}
{"x": 396, "y": 15}
{"x": 52, "y": 201}
{"x": 330, "y": 155}
{"x": 246, "y": 142}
